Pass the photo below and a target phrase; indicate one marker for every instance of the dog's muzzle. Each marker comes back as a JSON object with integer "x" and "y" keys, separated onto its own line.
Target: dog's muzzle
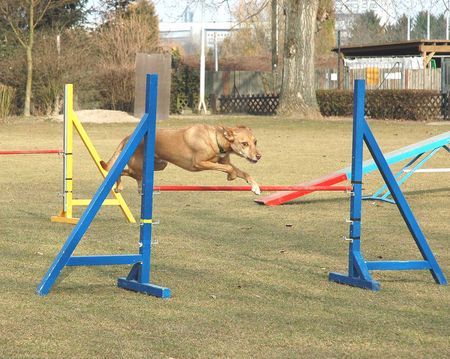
{"x": 254, "y": 160}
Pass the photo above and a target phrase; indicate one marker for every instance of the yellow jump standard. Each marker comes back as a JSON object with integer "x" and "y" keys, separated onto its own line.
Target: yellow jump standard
{"x": 70, "y": 121}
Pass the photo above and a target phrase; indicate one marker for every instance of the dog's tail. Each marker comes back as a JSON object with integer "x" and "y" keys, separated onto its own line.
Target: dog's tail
{"x": 107, "y": 165}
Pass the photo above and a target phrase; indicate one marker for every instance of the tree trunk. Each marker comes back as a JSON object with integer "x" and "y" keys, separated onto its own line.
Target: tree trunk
{"x": 29, "y": 50}
{"x": 298, "y": 96}
{"x": 27, "y": 105}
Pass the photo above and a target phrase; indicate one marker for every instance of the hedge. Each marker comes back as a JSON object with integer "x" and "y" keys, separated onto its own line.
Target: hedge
{"x": 394, "y": 104}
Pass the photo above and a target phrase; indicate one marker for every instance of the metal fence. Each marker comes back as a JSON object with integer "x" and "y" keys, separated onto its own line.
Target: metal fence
{"x": 429, "y": 107}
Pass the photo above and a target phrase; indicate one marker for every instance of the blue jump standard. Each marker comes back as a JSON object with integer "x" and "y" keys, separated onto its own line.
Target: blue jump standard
{"x": 358, "y": 268}
{"x": 139, "y": 277}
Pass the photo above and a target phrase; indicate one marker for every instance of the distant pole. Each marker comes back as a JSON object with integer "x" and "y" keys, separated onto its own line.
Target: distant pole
{"x": 216, "y": 57}
{"x": 446, "y": 28}
{"x": 408, "y": 28}
{"x": 201, "y": 102}
{"x": 339, "y": 59}
{"x": 448, "y": 21}
{"x": 274, "y": 35}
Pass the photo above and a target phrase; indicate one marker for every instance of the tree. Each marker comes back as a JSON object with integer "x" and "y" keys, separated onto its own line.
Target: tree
{"x": 297, "y": 95}
{"x": 367, "y": 29}
{"x": 22, "y": 17}
{"x": 115, "y": 5}
{"x": 68, "y": 15}
{"x": 252, "y": 36}
{"x": 325, "y": 35}
{"x": 437, "y": 26}
{"x": 126, "y": 33}
{"x": 397, "y": 32}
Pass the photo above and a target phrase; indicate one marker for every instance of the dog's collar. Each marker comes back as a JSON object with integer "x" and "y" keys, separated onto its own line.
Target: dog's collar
{"x": 221, "y": 150}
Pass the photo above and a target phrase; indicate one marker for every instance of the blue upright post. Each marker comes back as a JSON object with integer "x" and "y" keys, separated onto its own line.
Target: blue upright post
{"x": 358, "y": 268}
{"x": 141, "y": 261}
{"x": 358, "y": 273}
{"x": 139, "y": 277}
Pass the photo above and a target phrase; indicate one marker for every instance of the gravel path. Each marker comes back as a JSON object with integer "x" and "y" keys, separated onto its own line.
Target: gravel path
{"x": 103, "y": 116}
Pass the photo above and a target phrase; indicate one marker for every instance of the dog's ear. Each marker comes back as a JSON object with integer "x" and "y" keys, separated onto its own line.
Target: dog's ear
{"x": 228, "y": 134}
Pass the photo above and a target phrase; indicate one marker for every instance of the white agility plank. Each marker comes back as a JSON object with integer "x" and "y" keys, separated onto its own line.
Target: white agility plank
{"x": 429, "y": 170}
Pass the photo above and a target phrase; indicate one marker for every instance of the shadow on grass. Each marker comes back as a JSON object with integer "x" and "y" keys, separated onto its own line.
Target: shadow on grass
{"x": 314, "y": 201}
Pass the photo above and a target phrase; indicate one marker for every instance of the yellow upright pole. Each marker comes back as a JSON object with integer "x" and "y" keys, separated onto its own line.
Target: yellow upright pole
{"x": 70, "y": 121}
{"x": 66, "y": 215}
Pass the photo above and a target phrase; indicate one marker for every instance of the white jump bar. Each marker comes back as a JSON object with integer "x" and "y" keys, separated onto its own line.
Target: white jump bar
{"x": 429, "y": 170}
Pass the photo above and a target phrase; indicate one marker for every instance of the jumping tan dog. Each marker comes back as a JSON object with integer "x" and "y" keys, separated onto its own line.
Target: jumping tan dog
{"x": 195, "y": 148}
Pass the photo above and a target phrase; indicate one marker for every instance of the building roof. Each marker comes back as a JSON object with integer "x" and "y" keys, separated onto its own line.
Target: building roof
{"x": 407, "y": 48}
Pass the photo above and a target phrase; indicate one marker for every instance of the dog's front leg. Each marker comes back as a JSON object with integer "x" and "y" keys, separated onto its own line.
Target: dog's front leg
{"x": 207, "y": 165}
{"x": 249, "y": 179}
{"x": 243, "y": 175}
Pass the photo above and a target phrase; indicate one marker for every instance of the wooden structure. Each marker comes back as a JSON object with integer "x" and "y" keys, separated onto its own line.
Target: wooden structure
{"x": 437, "y": 50}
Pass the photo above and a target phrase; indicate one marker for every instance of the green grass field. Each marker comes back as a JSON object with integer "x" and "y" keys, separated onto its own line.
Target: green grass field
{"x": 247, "y": 281}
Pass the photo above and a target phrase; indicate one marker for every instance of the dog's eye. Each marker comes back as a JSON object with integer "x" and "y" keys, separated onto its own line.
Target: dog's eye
{"x": 256, "y": 142}
{"x": 245, "y": 144}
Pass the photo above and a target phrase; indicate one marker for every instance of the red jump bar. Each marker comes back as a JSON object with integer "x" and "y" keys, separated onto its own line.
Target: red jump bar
{"x": 248, "y": 188}
{"x": 30, "y": 152}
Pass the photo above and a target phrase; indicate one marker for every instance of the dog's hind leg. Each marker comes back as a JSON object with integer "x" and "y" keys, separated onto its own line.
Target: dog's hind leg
{"x": 126, "y": 172}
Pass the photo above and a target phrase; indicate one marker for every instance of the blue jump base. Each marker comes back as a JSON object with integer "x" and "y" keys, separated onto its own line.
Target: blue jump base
{"x": 358, "y": 268}
{"x": 138, "y": 279}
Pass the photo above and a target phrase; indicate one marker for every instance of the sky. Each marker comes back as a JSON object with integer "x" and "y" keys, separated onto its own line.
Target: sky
{"x": 173, "y": 10}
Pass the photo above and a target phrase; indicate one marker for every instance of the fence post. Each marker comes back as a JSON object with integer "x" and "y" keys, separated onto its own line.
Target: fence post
{"x": 213, "y": 103}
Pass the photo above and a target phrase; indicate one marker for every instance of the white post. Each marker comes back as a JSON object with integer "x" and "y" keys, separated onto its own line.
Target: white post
{"x": 408, "y": 30}
{"x": 201, "y": 102}
{"x": 448, "y": 21}
{"x": 216, "y": 53}
{"x": 446, "y": 28}
{"x": 58, "y": 45}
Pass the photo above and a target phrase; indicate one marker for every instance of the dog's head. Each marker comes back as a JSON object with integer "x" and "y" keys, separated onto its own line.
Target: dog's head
{"x": 243, "y": 142}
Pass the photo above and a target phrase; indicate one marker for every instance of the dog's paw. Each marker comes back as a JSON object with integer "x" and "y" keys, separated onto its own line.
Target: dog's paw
{"x": 231, "y": 176}
{"x": 255, "y": 189}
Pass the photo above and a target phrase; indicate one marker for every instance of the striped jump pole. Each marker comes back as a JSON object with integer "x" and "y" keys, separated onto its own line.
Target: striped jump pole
{"x": 31, "y": 152}
{"x": 175, "y": 188}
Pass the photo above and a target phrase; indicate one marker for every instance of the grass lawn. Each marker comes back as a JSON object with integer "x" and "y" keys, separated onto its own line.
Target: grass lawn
{"x": 247, "y": 281}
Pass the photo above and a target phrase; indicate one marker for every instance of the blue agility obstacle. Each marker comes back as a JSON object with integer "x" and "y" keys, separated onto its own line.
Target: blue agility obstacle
{"x": 358, "y": 268}
{"x": 139, "y": 277}
{"x": 428, "y": 149}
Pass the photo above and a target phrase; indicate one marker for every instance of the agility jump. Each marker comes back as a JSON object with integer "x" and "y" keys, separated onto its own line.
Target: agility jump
{"x": 426, "y": 148}
{"x": 358, "y": 268}
{"x": 71, "y": 121}
{"x": 139, "y": 277}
